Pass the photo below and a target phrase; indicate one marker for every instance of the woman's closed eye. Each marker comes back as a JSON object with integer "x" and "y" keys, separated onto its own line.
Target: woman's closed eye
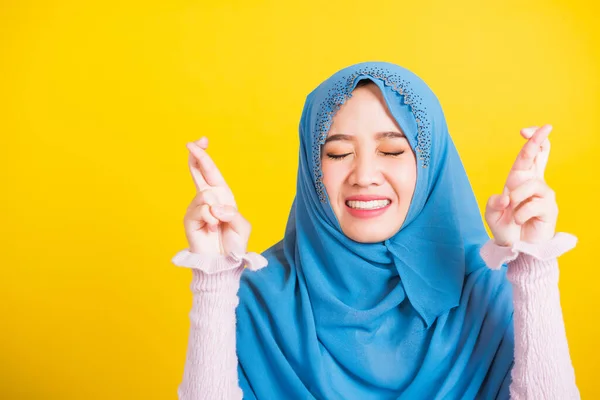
{"x": 392, "y": 154}
{"x": 337, "y": 156}
{"x": 334, "y": 156}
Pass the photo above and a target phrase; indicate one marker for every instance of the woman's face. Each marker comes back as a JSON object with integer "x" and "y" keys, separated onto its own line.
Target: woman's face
{"x": 369, "y": 168}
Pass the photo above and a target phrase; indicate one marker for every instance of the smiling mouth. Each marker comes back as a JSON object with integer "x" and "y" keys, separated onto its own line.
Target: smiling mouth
{"x": 368, "y": 205}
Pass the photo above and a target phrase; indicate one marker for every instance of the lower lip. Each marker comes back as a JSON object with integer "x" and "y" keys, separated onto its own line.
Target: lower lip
{"x": 367, "y": 213}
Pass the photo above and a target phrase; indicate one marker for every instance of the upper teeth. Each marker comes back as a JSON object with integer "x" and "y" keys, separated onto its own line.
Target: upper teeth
{"x": 367, "y": 205}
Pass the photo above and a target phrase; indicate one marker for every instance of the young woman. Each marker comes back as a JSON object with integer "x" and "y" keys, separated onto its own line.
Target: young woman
{"x": 379, "y": 288}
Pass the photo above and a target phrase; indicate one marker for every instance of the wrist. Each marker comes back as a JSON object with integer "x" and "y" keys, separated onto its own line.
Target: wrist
{"x": 215, "y": 263}
{"x": 225, "y": 282}
{"x": 495, "y": 255}
{"x": 502, "y": 243}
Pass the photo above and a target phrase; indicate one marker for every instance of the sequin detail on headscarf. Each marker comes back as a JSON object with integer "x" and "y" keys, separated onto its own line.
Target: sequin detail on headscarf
{"x": 342, "y": 91}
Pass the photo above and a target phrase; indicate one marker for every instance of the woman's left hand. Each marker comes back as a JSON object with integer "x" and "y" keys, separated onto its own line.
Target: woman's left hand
{"x": 527, "y": 209}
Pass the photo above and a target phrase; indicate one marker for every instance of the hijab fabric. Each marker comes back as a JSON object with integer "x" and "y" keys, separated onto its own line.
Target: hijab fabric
{"x": 417, "y": 316}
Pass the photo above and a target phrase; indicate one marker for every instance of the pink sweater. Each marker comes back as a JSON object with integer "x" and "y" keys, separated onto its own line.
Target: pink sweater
{"x": 542, "y": 364}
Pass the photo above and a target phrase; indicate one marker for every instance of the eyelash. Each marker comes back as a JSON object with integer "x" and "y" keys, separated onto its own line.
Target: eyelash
{"x": 341, "y": 156}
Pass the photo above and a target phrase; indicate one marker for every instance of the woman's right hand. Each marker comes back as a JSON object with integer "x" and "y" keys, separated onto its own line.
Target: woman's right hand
{"x": 212, "y": 222}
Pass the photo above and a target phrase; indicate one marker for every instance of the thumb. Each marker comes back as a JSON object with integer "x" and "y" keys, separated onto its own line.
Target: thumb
{"x": 496, "y": 206}
{"x": 232, "y": 216}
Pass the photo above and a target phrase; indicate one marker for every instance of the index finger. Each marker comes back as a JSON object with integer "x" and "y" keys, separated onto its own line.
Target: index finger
{"x": 531, "y": 149}
{"x": 208, "y": 169}
{"x": 197, "y": 176}
{"x": 199, "y": 181}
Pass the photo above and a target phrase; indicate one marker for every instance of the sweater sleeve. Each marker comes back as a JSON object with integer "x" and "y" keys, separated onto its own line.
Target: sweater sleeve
{"x": 210, "y": 371}
{"x": 542, "y": 364}
{"x": 543, "y": 367}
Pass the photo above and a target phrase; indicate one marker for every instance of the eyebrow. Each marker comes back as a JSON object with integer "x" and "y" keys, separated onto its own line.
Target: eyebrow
{"x": 378, "y": 136}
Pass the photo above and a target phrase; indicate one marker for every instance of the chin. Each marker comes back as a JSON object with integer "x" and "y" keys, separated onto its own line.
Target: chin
{"x": 367, "y": 235}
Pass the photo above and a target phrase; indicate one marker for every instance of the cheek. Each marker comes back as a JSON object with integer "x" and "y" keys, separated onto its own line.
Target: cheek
{"x": 333, "y": 176}
{"x": 404, "y": 180}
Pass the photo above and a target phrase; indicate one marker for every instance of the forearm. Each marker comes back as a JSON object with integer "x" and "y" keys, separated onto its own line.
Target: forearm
{"x": 210, "y": 370}
{"x": 542, "y": 368}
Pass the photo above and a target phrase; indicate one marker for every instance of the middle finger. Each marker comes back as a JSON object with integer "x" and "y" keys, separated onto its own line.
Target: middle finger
{"x": 210, "y": 172}
{"x": 530, "y": 150}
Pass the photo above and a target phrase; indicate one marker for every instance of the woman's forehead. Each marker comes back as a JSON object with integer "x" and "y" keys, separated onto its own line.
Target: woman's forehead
{"x": 366, "y": 112}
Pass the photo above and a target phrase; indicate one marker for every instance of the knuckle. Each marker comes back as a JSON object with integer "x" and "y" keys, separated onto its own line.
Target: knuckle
{"x": 199, "y": 199}
{"x": 206, "y": 196}
{"x": 210, "y": 197}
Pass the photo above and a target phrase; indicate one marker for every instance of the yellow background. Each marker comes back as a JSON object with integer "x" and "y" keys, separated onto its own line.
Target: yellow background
{"x": 99, "y": 98}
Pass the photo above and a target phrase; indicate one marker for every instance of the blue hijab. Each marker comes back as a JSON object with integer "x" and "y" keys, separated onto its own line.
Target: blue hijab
{"x": 417, "y": 316}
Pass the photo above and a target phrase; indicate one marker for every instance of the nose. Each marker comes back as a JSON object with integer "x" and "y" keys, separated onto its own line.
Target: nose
{"x": 365, "y": 172}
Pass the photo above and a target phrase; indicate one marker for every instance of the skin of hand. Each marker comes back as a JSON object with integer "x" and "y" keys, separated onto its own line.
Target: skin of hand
{"x": 526, "y": 210}
{"x": 213, "y": 224}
